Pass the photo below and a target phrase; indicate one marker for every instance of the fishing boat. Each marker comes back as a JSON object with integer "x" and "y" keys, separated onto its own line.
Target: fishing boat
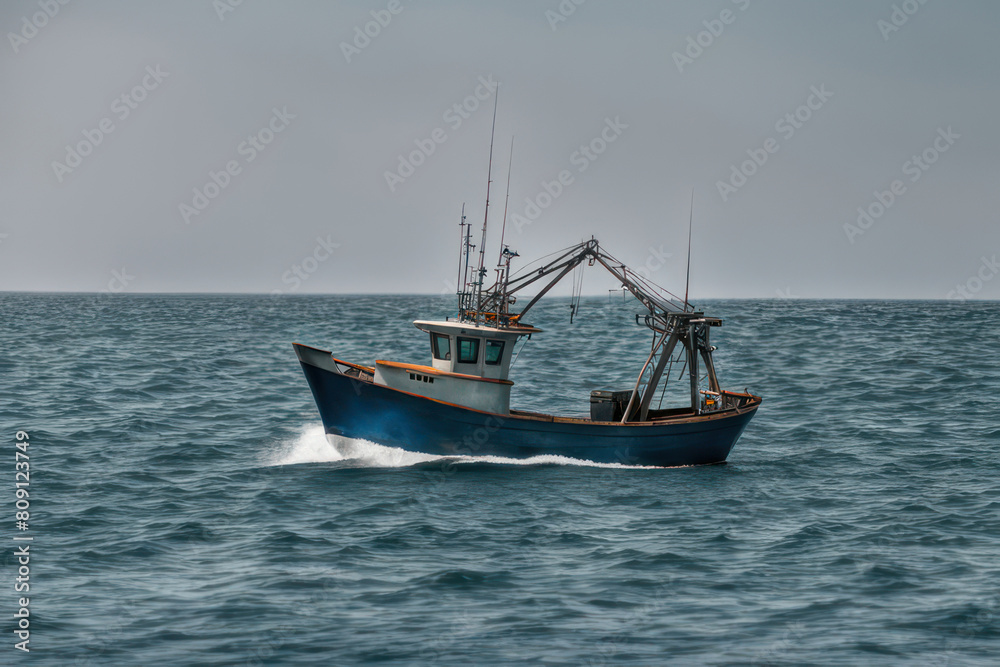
{"x": 460, "y": 404}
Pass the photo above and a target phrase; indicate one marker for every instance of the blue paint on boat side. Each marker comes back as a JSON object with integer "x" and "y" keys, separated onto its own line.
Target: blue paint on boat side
{"x": 360, "y": 409}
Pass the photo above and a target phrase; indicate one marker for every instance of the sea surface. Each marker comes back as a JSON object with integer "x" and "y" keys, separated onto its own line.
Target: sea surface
{"x": 187, "y": 509}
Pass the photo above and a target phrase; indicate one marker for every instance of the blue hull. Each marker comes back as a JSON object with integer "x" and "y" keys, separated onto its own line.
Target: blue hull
{"x": 359, "y": 409}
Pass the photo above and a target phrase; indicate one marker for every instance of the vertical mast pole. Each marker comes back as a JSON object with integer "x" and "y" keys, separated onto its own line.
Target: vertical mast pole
{"x": 459, "y": 288}
{"x": 486, "y": 216}
{"x": 466, "y": 298}
{"x": 692, "y": 349}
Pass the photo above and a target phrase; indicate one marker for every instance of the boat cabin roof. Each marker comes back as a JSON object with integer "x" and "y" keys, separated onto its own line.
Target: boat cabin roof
{"x": 467, "y": 328}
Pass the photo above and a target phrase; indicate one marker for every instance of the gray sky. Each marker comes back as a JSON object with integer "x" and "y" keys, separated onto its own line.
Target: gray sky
{"x": 331, "y": 111}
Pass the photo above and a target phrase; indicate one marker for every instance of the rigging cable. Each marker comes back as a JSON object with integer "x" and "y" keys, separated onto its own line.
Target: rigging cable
{"x": 687, "y": 281}
{"x": 666, "y": 380}
{"x": 574, "y": 304}
{"x": 517, "y": 353}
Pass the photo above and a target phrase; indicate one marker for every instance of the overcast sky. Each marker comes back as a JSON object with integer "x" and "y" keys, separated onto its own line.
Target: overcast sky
{"x": 341, "y": 163}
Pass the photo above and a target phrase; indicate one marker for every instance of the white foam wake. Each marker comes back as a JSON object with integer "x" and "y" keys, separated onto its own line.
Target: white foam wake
{"x": 312, "y": 445}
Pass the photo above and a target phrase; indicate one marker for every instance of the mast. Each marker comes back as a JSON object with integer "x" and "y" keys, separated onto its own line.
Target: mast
{"x": 466, "y": 278}
{"x": 459, "y": 285}
{"x": 486, "y": 216}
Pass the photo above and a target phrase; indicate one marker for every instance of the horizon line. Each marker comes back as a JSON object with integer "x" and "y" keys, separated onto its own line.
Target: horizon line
{"x": 431, "y": 294}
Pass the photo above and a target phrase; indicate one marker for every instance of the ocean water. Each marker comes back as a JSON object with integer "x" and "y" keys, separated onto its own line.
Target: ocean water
{"x": 187, "y": 509}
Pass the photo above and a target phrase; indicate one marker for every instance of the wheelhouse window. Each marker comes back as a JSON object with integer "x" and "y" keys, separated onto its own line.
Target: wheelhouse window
{"x": 468, "y": 350}
{"x": 440, "y": 346}
{"x": 494, "y": 352}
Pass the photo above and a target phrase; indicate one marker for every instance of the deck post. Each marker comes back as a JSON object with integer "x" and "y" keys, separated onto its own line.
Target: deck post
{"x": 706, "y": 355}
{"x": 692, "y": 349}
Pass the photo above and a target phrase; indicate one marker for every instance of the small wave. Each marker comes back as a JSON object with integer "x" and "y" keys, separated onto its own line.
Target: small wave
{"x": 310, "y": 446}
{"x": 313, "y": 445}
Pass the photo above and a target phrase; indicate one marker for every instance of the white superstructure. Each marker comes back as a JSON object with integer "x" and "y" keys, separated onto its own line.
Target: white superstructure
{"x": 469, "y": 365}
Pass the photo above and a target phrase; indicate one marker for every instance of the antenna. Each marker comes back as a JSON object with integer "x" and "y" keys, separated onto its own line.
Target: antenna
{"x": 459, "y": 287}
{"x": 687, "y": 282}
{"x": 503, "y": 229}
{"x": 486, "y": 216}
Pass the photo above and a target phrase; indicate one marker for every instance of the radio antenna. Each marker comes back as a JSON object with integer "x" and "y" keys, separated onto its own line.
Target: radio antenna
{"x": 486, "y": 216}
{"x": 460, "y": 282}
{"x": 687, "y": 282}
{"x": 503, "y": 229}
